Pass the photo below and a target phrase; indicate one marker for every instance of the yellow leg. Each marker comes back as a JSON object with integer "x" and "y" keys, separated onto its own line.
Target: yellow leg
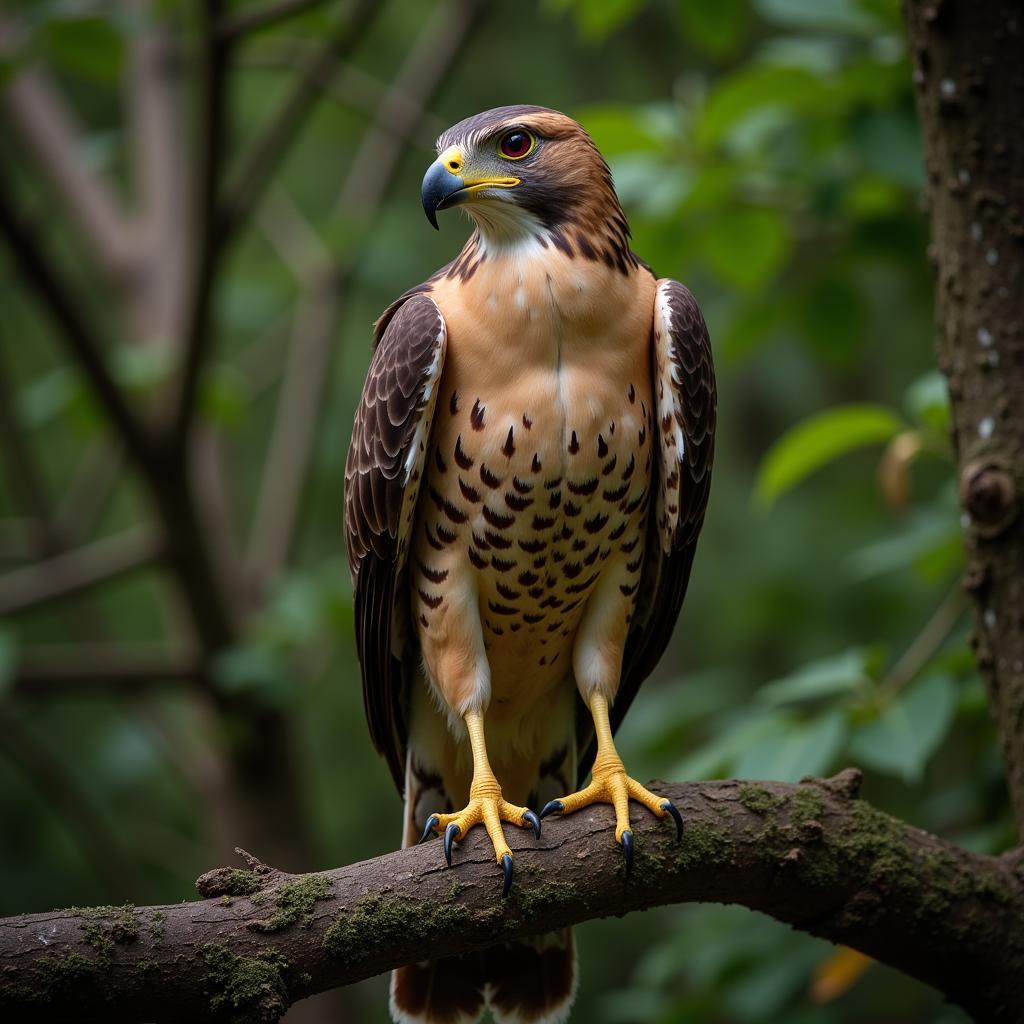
{"x": 611, "y": 785}
{"x": 485, "y": 806}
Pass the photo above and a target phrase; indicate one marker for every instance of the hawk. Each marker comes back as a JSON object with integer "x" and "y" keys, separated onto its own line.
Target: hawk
{"x": 527, "y": 478}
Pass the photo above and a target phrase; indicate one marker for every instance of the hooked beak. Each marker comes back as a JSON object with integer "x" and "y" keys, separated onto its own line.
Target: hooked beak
{"x": 442, "y": 188}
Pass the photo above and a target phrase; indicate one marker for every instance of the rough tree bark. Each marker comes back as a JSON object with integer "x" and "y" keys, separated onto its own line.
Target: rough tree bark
{"x": 969, "y": 77}
{"x": 812, "y": 855}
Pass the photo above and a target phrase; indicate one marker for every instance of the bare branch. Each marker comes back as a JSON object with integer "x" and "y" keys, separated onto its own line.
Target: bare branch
{"x": 55, "y": 297}
{"x": 247, "y": 23}
{"x": 269, "y": 150}
{"x": 103, "y": 668}
{"x": 810, "y": 855}
{"x": 371, "y": 174}
{"x": 401, "y": 107}
{"x": 163, "y": 177}
{"x": 208, "y": 237}
{"x": 48, "y": 129}
{"x": 69, "y": 573}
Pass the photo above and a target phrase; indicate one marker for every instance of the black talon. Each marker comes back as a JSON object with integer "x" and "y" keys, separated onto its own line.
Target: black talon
{"x": 449, "y": 837}
{"x": 428, "y": 829}
{"x": 532, "y": 818}
{"x": 627, "y": 850}
{"x": 551, "y": 807}
{"x": 506, "y": 867}
{"x": 677, "y": 817}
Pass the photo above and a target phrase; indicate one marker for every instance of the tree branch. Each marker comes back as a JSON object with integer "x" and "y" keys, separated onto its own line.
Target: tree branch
{"x": 971, "y": 107}
{"x": 208, "y": 237}
{"x": 247, "y": 23}
{"x": 810, "y": 855}
{"x": 71, "y": 572}
{"x": 372, "y": 171}
{"x": 48, "y": 130}
{"x": 56, "y": 299}
{"x": 102, "y": 668}
{"x": 268, "y": 151}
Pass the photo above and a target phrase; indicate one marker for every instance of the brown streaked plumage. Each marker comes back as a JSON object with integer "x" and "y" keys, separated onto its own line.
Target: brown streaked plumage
{"x": 528, "y": 475}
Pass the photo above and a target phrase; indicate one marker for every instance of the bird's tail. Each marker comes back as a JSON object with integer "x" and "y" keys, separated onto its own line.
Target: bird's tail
{"x": 529, "y": 981}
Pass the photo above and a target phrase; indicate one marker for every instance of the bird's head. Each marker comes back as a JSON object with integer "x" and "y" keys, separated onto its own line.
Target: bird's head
{"x": 519, "y": 171}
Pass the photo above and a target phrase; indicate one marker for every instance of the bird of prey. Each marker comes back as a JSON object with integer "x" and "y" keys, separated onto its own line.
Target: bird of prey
{"x": 527, "y": 478}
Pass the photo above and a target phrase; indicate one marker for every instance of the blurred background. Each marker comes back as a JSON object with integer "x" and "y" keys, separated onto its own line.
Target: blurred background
{"x": 177, "y": 668}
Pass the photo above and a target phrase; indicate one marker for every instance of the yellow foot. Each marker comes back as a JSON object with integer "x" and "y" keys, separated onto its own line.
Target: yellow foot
{"x": 490, "y": 810}
{"x": 611, "y": 785}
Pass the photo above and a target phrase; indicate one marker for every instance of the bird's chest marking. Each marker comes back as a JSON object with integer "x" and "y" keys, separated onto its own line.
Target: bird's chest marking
{"x": 532, "y": 518}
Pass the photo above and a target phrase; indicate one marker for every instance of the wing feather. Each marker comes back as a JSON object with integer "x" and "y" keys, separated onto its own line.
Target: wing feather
{"x": 383, "y": 472}
{"x": 684, "y": 389}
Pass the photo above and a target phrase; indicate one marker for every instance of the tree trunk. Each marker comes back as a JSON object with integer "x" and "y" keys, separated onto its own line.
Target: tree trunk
{"x": 969, "y": 75}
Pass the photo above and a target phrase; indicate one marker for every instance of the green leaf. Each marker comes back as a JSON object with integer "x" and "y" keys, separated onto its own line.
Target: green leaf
{"x": 597, "y": 19}
{"x": 746, "y": 247}
{"x": 841, "y": 674}
{"x": 796, "y": 750}
{"x": 928, "y": 401}
{"x": 845, "y": 16}
{"x": 716, "y": 26}
{"x": 902, "y": 739}
{"x": 91, "y": 47}
{"x": 817, "y": 441}
{"x": 751, "y": 90}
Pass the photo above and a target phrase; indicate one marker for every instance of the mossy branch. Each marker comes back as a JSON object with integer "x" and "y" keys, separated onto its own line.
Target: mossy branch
{"x": 812, "y": 855}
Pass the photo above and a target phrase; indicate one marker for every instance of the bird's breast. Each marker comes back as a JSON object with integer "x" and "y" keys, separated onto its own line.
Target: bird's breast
{"x": 539, "y": 473}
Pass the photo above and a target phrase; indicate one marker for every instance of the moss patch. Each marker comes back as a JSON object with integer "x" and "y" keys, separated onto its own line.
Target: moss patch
{"x": 294, "y": 903}
{"x": 245, "y": 990}
{"x": 157, "y": 925}
{"x": 807, "y": 805}
{"x": 700, "y": 844}
{"x": 758, "y": 799}
{"x": 534, "y": 900}
{"x": 241, "y": 883}
{"x": 104, "y": 926}
{"x": 384, "y": 922}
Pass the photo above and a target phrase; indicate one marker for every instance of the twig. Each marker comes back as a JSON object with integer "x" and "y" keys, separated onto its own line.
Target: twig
{"x": 47, "y": 128}
{"x": 56, "y": 299}
{"x": 208, "y": 237}
{"x": 927, "y": 643}
{"x": 268, "y": 151}
{"x": 402, "y": 105}
{"x": 71, "y": 572}
{"x": 102, "y": 668}
{"x": 247, "y": 23}
{"x": 371, "y": 174}
{"x": 163, "y": 175}
{"x": 811, "y": 855}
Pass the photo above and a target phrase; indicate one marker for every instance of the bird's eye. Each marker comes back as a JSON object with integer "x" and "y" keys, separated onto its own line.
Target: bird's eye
{"x": 516, "y": 144}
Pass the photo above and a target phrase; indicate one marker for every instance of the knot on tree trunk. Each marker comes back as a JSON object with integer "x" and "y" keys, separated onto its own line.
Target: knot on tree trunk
{"x": 989, "y": 494}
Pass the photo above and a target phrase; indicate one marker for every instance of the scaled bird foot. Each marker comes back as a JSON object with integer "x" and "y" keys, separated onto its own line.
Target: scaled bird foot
{"x": 611, "y": 785}
{"x": 490, "y": 810}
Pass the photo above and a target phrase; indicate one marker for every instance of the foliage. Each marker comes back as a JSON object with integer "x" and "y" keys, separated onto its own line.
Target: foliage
{"x": 767, "y": 154}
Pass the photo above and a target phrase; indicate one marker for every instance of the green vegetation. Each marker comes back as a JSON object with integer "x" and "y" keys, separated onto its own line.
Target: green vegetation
{"x": 245, "y": 990}
{"x": 767, "y": 154}
{"x": 294, "y": 902}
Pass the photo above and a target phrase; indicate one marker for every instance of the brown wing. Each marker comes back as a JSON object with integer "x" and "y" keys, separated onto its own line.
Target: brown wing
{"x": 390, "y": 437}
{"x": 684, "y": 385}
